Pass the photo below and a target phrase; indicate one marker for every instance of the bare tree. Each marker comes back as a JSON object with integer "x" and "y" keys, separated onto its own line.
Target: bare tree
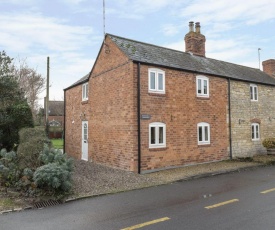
{"x": 31, "y": 83}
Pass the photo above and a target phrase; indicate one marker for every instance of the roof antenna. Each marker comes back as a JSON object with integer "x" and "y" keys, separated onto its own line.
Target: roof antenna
{"x": 259, "y": 57}
{"x": 104, "y": 19}
{"x": 106, "y": 47}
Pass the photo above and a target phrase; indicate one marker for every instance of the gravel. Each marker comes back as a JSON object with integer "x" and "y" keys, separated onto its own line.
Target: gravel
{"x": 91, "y": 179}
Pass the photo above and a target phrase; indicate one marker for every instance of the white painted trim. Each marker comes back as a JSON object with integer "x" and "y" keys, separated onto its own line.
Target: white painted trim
{"x": 157, "y": 125}
{"x": 203, "y": 125}
{"x": 156, "y": 72}
{"x": 202, "y": 78}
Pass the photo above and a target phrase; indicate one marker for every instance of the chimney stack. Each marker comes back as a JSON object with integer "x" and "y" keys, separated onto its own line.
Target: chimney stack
{"x": 194, "y": 40}
{"x": 269, "y": 67}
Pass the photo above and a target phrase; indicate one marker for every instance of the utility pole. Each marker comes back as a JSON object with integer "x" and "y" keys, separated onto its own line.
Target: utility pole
{"x": 47, "y": 90}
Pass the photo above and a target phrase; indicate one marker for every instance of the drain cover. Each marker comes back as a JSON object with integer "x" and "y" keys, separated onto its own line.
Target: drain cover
{"x": 47, "y": 203}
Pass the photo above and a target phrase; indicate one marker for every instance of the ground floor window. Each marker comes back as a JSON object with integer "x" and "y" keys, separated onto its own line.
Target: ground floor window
{"x": 255, "y": 131}
{"x": 157, "y": 135}
{"x": 203, "y": 133}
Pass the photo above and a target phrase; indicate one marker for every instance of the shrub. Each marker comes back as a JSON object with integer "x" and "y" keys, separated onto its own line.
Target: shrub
{"x": 32, "y": 141}
{"x": 55, "y": 175}
{"x": 269, "y": 143}
{"x": 9, "y": 171}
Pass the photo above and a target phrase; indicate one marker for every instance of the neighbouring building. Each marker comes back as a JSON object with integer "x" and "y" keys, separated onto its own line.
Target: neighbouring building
{"x": 144, "y": 107}
{"x": 55, "y": 118}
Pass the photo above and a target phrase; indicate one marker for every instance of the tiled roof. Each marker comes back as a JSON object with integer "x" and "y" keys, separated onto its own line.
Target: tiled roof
{"x": 56, "y": 108}
{"x": 152, "y": 54}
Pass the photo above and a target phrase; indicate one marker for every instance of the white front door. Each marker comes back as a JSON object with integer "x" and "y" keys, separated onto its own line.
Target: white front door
{"x": 84, "y": 140}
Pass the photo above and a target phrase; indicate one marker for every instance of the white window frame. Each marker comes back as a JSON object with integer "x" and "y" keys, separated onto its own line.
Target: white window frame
{"x": 157, "y": 126}
{"x": 156, "y": 89}
{"x": 203, "y": 141}
{"x": 85, "y": 91}
{"x": 255, "y": 131}
{"x": 252, "y": 89}
{"x": 202, "y": 94}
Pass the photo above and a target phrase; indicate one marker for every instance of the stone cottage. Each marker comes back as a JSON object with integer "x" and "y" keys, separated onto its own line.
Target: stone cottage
{"x": 144, "y": 107}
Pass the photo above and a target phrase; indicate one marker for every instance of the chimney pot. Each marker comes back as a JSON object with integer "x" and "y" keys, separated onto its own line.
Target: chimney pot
{"x": 191, "y": 26}
{"x": 198, "y": 27}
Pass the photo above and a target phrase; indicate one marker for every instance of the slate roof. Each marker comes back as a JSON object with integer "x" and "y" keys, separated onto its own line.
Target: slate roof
{"x": 56, "y": 108}
{"x": 152, "y": 54}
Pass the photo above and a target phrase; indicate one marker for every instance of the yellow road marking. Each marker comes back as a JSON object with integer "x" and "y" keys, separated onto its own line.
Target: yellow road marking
{"x": 146, "y": 223}
{"x": 267, "y": 191}
{"x": 222, "y": 203}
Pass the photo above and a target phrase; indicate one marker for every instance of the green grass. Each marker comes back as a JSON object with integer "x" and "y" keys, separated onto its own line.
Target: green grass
{"x": 57, "y": 143}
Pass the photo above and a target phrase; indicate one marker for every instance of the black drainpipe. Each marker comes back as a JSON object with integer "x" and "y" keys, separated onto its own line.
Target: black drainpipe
{"x": 138, "y": 118}
{"x": 64, "y": 123}
{"x": 229, "y": 114}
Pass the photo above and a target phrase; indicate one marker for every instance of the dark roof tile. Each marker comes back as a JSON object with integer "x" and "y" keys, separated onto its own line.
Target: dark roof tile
{"x": 152, "y": 54}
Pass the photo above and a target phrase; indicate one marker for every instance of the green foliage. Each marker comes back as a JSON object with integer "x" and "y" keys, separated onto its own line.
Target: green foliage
{"x": 9, "y": 172}
{"x": 269, "y": 143}
{"x": 32, "y": 142}
{"x": 15, "y": 113}
{"x": 55, "y": 175}
{"x": 51, "y": 177}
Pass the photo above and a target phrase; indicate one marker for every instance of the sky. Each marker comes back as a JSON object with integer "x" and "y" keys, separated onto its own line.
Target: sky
{"x": 71, "y": 32}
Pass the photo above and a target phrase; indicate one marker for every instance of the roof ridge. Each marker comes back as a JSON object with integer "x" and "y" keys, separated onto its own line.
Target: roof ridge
{"x": 183, "y": 52}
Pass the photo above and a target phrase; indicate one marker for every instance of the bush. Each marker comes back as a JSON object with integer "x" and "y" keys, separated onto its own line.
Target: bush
{"x": 52, "y": 177}
{"x": 32, "y": 141}
{"x": 55, "y": 175}
{"x": 269, "y": 143}
{"x": 9, "y": 171}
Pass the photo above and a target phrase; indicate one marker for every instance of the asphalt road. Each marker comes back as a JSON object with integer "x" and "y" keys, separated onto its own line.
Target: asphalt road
{"x": 242, "y": 201}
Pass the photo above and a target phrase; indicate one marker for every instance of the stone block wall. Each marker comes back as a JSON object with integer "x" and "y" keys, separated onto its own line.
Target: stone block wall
{"x": 244, "y": 112}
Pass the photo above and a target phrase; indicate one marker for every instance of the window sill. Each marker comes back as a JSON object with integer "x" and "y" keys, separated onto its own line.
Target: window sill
{"x": 156, "y": 94}
{"x": 157, "y": 149}
{"x": 204, "y": 145}
{"x": 84, "y": 102}
{"x": 203, "y": 98}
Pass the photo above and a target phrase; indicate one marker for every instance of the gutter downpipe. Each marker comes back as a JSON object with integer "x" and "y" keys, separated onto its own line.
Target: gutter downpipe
{"x": 229, "y": 114}
{"x": 138, "y": 118}
{"x": 64, "y": 123}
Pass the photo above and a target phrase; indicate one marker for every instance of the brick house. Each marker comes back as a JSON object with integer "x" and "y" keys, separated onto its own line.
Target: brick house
{"x": 144, "y": 108}
{"x": 55, "y": 118}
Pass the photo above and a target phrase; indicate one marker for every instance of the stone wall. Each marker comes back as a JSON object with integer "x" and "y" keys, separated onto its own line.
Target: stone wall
{"x": 244, "y": 112}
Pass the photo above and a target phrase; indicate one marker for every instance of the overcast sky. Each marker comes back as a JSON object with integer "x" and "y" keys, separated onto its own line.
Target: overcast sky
{"x": 70, "y": 32}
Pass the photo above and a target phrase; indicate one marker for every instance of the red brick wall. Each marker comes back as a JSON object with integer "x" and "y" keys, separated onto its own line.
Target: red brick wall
{"x": 180, "y": 109}
{"x": 112, "y": 115}
{"x": 113, "y": 104}
{"x": 111, "y": 112}
{"x": 75, "y": 110}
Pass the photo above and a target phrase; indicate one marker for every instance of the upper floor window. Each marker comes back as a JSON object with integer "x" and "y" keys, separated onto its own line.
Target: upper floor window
{"x": 85, "y": 91}
{"x": 156, "y": 80}
{"x": 253, "y": 92}
{"x": 202, "y": 86}
{"x": 157, "y": 135}
{"x": 255, "y": 131}
{"x": 203, "y": 133}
